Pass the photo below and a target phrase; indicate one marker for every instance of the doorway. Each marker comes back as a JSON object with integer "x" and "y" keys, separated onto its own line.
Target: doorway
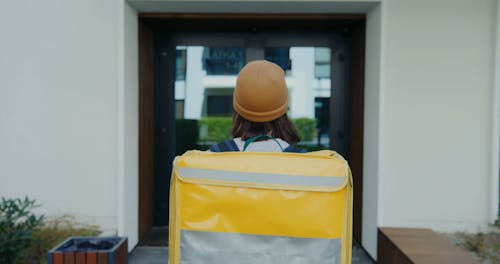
{"x": 334, "y": 46}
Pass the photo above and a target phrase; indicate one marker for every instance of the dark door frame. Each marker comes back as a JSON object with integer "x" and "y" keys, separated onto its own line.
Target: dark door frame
{"x": 150, "y": 25}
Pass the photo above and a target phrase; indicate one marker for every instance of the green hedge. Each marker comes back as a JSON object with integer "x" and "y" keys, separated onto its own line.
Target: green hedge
{"x": 216, "y": 129}
{"x": 306, "y": 127}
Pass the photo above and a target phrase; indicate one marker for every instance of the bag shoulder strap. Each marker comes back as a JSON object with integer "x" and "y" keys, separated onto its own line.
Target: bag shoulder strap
{"x": 294, "y": 149}
{"x": 230, "y": 145}
{"x": 225, "y": 146}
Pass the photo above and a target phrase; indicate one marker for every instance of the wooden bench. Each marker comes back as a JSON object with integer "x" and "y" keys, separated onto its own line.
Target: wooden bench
{"x": 415, "y": 245}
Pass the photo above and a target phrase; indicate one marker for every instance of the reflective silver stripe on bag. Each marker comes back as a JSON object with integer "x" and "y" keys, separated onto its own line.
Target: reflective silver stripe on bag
{"x": 230, "y": 248}
{"x": 262, "y": 178}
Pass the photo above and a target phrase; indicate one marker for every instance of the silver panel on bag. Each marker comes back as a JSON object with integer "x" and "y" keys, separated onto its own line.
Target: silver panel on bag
{"x": 232, "y": 248}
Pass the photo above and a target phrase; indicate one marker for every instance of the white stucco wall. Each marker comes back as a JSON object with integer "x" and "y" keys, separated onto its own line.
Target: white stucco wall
{"x": 301, "y": 93}
{"x": 128, "y": 124}
{"x": 194, "y": 92}
{"x": 495, "y": 121}
{"x": 371, "y": 154}
{"x": 58, "y": 106}
{"x": 436, "y": 114}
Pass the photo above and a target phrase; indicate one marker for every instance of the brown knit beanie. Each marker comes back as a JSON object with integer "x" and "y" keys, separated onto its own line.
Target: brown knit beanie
{"x": 261, "y": 94}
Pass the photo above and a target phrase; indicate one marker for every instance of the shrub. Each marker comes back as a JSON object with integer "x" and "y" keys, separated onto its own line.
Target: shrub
{"x": 215, "y": 129}
{"x": 484, "y": 246}
{"x": 52, "y": 232}
{"x": 17, "y": 224}
{"x": 306, "y": 127}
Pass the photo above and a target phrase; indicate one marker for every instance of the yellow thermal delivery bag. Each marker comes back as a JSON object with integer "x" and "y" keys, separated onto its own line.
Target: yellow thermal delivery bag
{"x": 260, "y": 208}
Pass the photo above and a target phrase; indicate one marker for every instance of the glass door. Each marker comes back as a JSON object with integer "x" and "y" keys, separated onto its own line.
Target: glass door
{"x": 206, "y": 77}
{"x": 194, "y": 88}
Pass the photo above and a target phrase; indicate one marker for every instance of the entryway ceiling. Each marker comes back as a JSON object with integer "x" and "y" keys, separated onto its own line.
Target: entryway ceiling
{"x": 245, "y": 6}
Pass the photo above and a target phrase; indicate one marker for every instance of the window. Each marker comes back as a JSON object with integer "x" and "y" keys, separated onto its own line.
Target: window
{"x": 179, "y": 109}
{"x": 322, "y": 63}
{"x": 280, "y": 56}
{"x": 220, "y": 105}
{"x": 223, "y": 61}
{"x": 180, "y": 65}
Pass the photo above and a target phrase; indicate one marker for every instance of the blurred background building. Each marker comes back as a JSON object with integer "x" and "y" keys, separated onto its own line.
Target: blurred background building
{"x": 206, "y": 77}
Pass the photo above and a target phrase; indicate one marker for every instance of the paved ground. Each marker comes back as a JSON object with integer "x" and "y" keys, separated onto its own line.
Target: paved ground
{"x": 359, "y": 256}
{"x": 159, "y": 255}
{"x": 148, "y": 255}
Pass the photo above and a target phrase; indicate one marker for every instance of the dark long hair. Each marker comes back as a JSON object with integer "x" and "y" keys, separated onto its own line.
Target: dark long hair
{"x": 281, "y": 127}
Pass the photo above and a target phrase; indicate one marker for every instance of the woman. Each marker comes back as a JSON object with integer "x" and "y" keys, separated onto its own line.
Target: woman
{"x": 260, "y": 102}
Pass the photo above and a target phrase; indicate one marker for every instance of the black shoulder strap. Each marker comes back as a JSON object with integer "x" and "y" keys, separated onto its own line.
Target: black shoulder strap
{"x": 224, "y": 146}
{"x": 294, "y": 149}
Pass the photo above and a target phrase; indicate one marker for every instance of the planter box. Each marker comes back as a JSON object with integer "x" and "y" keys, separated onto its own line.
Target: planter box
{"x": 90, "y": 250}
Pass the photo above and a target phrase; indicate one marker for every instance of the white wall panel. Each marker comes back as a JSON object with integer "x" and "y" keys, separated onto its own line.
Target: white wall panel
{"x": 58, "y": 103}
{"x": 371, "y": 153}
{"x": 128, "y": 124}
{"x": 437, "y": 113}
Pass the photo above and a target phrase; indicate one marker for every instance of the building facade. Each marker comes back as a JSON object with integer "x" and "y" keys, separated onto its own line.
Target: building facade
{"x": 69, "y": 107}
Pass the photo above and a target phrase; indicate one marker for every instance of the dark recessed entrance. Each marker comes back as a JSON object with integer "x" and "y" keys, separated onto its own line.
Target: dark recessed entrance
{"x": 165, "y": 40}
